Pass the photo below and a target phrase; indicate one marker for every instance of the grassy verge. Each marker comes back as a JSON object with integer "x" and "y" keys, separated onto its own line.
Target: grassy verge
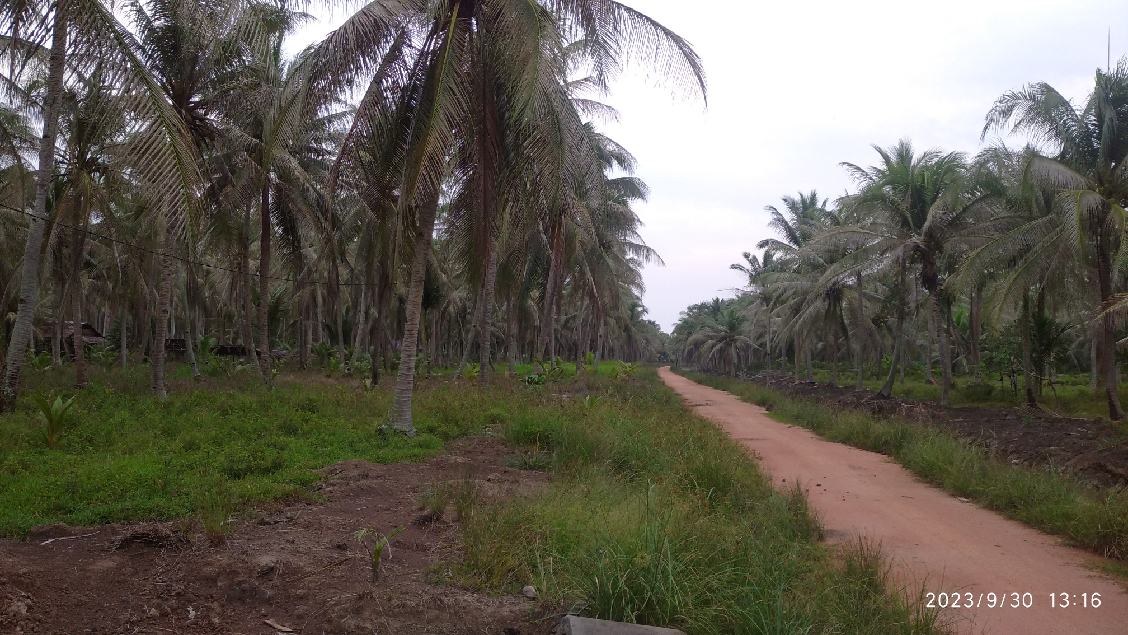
{"x": 654, "y": 516}
{"x": 209, "y": 449}
{"x": 1051, "y": 501}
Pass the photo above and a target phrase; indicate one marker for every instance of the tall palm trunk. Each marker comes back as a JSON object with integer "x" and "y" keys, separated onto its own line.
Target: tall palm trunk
{"x": 1108, "y": 334}
{"x": 191, "y": 292}
{"x": 81, "y": 371}
{"x": 164, "y": 301}
{"x": 32, "y": 256}
{"x": 975, "y": 332}
{"x": 62, "y": 292}
{"x": 485, "y": 324}
{"x": 1028, "y": 378}
{"x": 248, "y": 301}
{"x": 400, "y": 417}
{"x": 547, "y": 340}
{"x": 886, "y": 390}
{"x": 768, "y": 337}
{"x": 511, "y": 336}
{"x": 123, "y": 343}
{"x": 859, "y": 349}
{"x": 469, "y": 332}
{"x": 190, "y": 330}
{"x": 939, "y": 317}
{"x": 264, "y": 286}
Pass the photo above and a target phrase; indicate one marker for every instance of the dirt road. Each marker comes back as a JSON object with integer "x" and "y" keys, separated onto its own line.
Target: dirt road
{"x": 934, "y": 541}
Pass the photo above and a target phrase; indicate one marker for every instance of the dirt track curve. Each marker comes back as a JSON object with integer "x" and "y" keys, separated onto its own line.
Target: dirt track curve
{"x": 933, "y": 540}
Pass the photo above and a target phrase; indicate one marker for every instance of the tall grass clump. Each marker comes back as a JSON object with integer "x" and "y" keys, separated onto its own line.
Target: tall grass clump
{"x": 1053, "y": 501}
{"x": 655, "y": 517}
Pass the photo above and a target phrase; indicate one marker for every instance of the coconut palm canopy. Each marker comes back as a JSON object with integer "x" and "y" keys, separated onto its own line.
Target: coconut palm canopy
{"x": 1009, "y": 260}
{"x": 428, "y": 185}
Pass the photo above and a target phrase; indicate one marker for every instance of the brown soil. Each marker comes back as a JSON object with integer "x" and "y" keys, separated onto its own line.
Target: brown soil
{"x": 1095, "y": 450}
{"x": 934, "y": 541}
{"x": 295, "y": 565}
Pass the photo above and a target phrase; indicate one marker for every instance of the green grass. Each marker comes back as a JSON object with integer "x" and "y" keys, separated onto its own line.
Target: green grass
{"x": 126, "y": 456}
{"x": 1052, "y": 501}
{"x": 654, "y": 516}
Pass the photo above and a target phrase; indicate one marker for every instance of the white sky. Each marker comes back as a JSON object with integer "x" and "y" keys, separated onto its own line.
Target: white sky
{"x": 797, "y": 86}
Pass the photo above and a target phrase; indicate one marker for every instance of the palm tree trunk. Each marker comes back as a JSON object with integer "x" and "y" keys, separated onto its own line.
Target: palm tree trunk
{"x": 546, "y": 340}
{"x": 81, "y": 372}
{"x": 264, "y": 285}
{"x": 768, "y": 337}
{"x": 1028, "y": 378}
{"x": 360, "y": 324}
{"x": 886, "y": 390}
{"x": 975, "y": 332}
{"x": 926, "y": 358}
{"x": 190, "y": 329}
{"x": 164, "y": 300}
{"x": 123, "y": 344}
{"x": 191, "y": 292}
{"x": 469, "y": 332}
{"x": 940, "y": 319}
{"x": 248, "y": 301}
{"x": 33, "y": 256}
{"x": 485, "y": 328}
{"x": 400, "y": 417}
{"x": 62, "y": 293}
{"x": 1094, "y": 357}
{"x": 337, "y": 305}
{"x": 511, "y": 336}
{"x": 1108, "y": 333}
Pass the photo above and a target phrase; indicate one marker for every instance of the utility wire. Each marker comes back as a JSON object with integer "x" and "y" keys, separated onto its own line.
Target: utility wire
{"x": 162, "y": 254}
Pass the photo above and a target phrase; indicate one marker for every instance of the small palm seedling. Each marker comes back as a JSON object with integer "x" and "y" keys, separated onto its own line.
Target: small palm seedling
{"x": 55, "y": 416}
{"x": 376, "y": 544}
{"x": 324, "y": 352}
{"x": 471, "y": 372}
{"x": 39, "y": 361}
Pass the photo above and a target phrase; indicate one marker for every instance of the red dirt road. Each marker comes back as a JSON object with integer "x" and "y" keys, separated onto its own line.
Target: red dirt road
{"x": 933, "y": 540}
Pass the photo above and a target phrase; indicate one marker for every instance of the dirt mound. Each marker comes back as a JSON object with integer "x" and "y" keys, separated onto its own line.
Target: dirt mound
{"x": 1095, "y": 450}
{"x": 295, "y": 566}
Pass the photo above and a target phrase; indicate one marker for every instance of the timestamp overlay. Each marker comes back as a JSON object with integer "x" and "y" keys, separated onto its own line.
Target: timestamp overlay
{"x": 982, "y": 572}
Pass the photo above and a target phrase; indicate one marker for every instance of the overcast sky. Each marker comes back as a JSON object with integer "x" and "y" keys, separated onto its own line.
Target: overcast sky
{"x": 797, "y": 86}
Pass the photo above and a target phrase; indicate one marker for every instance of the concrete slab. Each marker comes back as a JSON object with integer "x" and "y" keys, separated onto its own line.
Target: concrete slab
{"x": 575, "y": 625}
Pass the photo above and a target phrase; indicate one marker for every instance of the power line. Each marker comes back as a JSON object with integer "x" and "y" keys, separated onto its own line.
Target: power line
{"x": 163, "y": 254}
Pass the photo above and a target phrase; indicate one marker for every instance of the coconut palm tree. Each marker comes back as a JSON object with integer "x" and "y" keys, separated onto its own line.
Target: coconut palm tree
{"x": 467, "y": 59}
{"x": 915, "y": 206}
{"x": 72, "y": 33}
{"x": 1084, "y": 162}
{"x": 722, "y": 342}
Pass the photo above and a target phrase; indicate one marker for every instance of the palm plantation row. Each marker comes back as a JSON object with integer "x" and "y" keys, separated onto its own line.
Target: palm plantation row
{"x": 1011, "y": 260}
{"x": 425, "y": 183}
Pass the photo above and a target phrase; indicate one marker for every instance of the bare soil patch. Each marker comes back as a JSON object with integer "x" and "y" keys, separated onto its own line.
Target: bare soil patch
{"x": 295, "y": 565}
{"x": 1095, "y": 450}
